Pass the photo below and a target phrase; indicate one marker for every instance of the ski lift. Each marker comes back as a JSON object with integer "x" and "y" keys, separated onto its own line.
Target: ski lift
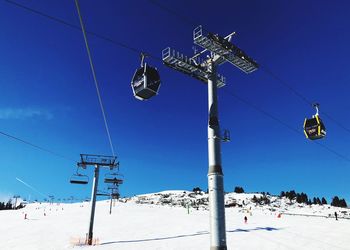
{"x": 115, "y": 195}
{"x": 78, "y": 178}
{"x": 313, "y": 127}
{"x": 226, "y": 136}
{"x": 101, "y": 193}
{"x": 146, "y": 81}
{"x": 112, "y": 178}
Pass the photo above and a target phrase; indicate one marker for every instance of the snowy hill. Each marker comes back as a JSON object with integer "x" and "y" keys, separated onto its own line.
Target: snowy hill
{"x": 244, "y": 201}
{"x": 164, "y": 221}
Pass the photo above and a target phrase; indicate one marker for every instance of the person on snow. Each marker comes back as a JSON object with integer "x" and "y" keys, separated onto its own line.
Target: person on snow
{"x": 245, "y": 219}
{"x": 336, "y": 215}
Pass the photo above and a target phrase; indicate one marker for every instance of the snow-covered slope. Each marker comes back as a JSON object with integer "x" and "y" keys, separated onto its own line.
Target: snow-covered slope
{"x": 242, "y": 200}
{"x": 163, "y": 221}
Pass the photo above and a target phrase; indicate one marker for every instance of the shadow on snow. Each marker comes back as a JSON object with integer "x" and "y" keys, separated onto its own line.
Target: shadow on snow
{"x": 190, "y": 235}
{"x": 253, "y": 229}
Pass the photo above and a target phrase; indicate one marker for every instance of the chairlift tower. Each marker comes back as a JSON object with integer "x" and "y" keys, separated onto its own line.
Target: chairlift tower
{"x": 219, "y": 50}
{"x": 16, "y": 197}
{"x": 114, "y": 189}
{"x": 114, "y": 179}
{"x": 96, "y": 161}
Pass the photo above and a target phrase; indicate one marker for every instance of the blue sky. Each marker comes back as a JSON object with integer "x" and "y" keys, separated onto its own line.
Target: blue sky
{"x": 49, "y": 98}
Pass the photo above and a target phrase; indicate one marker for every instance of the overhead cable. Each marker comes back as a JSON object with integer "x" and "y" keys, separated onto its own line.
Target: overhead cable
{"x": 95, "y": 78}
{"x": 61, "y": 21}
{"x": 264, "y": 68}
{"x": 188, "y": 21}
{"x": 35, "y": 146}
{"x": 257, "y": 108}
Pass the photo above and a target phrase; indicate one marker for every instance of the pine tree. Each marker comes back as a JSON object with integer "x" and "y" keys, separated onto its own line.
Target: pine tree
{"x": 304, "y": 198}
{"x": 291, "y": 194}
{"x": 342, "y": 203}
{"x": 323, "y": 201}
{"x": 254, "y": 199}
{"x": 299, "y": 198}
{"x": 238, "y": 190}
{"x": 197, "y": 190}
{"x": 318, "y": 201}
{"x": 335, "y": 201}
{"x": 8, "y": 204}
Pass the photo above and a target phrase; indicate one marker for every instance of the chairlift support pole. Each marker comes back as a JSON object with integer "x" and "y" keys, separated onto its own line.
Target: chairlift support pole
{"x": 215, "y": 173}
{"x": 16, "y": 197}
{"x": 221, "y": 50}
{"x": 110, "y": 205}
{"x": 93, "y": 203}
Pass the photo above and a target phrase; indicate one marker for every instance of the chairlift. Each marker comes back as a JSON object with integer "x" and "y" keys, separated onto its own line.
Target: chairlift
{"x": 115, "y": 195}
{"x": 146, "y": 81}
{"x": 226, "y": 136}
{"x": 313, "y": 127}
{"x": 79, "y": 179}
{"x": 112, "y": 178}
{"x": 102, "y": 194}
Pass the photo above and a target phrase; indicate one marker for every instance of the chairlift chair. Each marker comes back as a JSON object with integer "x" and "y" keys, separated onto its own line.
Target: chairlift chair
{"x": 146, "y": 81}
{"x": 313, "y": 127}
{"x": 79, "y": 179}
{"x": 102, "y": 194}
{"x": 113, "y": 180}
{"x": 115, "y": 195}
{"x": 226, "y": 136}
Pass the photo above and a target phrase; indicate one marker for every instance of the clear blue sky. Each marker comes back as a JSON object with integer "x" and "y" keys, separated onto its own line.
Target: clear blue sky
{"x": 49, "y": 99}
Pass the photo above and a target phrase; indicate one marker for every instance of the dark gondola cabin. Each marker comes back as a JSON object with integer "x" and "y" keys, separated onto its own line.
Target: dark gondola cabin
{"x": 314, "y": 128}
{"x": 146, "y": 82}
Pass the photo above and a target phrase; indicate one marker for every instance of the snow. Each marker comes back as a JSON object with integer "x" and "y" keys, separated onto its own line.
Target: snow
{"x": 134, "y": 225}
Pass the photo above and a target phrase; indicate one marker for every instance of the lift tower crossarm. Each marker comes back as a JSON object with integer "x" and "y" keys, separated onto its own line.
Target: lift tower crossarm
{"x": 225, "y": 50}
{"x": 186, "y": 65}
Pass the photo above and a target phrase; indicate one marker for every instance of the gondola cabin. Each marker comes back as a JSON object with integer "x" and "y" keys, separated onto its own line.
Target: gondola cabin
{"x": 145, "y": 82}
{"x": 314, "y": 128}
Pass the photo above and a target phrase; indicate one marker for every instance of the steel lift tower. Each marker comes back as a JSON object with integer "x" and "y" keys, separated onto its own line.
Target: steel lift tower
{"x": 96, "y": 161}
{"x": 219, "y": 50}
{"x": 16, "y": 197}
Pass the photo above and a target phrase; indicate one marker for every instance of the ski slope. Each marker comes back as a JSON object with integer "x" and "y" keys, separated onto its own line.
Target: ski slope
{"x": 149, "y": 227}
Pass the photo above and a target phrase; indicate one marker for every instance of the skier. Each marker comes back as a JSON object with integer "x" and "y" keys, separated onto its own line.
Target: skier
{"x": 336, "y": 215}
{"x": 245, "y": 219}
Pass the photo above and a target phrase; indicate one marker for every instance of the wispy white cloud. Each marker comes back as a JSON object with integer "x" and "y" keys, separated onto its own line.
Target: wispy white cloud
{"x": 24, "y": 113}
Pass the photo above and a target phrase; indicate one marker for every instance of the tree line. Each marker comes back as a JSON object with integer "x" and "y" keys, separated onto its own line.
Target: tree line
{"x": 303, "y": 198}
{"x": 299, "y": 197}
{"x": 8, "y": 205}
